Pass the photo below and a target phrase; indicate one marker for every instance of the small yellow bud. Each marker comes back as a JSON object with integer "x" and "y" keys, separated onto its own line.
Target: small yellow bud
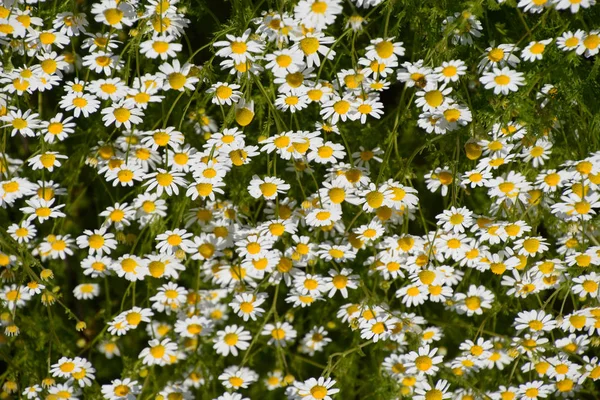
{"x": 244, "y": 113}
{"x": 238, "y": 157}
{"x": 80, "y": 326}
{"x": 121, "y": 237}
{"x": 288, "y": 379}
{"x": 10, "y": 386}
{"x": 47, "y": 274}
{"x": 473, "y": 150}
{"x": 12, "y": 330}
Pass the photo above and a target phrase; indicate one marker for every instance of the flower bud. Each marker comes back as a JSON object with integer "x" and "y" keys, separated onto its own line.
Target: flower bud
{"x": 244, "y": 113}
{"x": 473, "y": 150}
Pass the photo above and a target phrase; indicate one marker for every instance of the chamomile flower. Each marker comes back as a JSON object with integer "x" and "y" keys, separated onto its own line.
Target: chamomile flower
{"x": 535, "y": 50}
{"x": 424, "y": 361}
{"x": 281, "y": 333}
{"x": 432, "y": 97}
{"x": 339, "y": 108}
{"x": 570, "y": 41}
{"x": 474, "y": 301}
{"x": 316, "y": 389}
{"x": 42, "y": 210}
{"x": 231, "y": 339}
{"x": 246, "y": 305}
{"x": 102, "y": 62}
{"x": 86, "y": 291}
{"x": 118, "y": 389}
{"x": 158, "y": 352}
{"x": 239, "y": 49}
{"x": 80, "y": 103}
{"x": 590, "y": 44}
{"x": 122, "y": 114}
{"x": 368, "y": 107}
{"x": 98, "y": 241}
{"x": 176, "y": 76}
{"x": 164, "y": 181}
{"x": 160, "y": 46}
{"x": 268, "y": 187}
{"x": 574, "y": 5}
{"x": 450, "y": 71}
{"x": 23, "y": 123}
{"x": 317, "y": 14}
{"x": 225, "y": 93}
{"x": 114, "y": 14}
{"x": 57, "y": 129}
{"x": 503, "y": 81}
{"x": 440, "y": 177}
{"x": 130, "y": 267}
{"x": 23, "y": 232}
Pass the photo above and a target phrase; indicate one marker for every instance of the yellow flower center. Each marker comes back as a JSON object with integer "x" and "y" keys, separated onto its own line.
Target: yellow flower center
{"x": 224, "y": 92}
{"x": 164, "y": 178}
{"x": 309, "y": 45}
{"x": 19, "y": 123}
{"x": 384, "y": 49}
{"x": 80, "y": 102}
{"x": 590, "y": 286}
{"x": 318, "y": 392}
{"x": 323, "y": 215}
{"x": 230, "y": 339}
{"x": 445, "y": 178}
{"x": 113, "y": 16}
{"x": 96, "y": 241}
{"x": 121, "y": 390}
{"x": 206, "y": 250}
{"x": 103, "y": 61}
{"x": 449, "y": 71}
{"x": 156, "y": 268}
{"x": 158, "y": 352}
{"x": 496, "y": 55}
{"x": 43, "y": 212}
{"x": 47, "y": 38}
{"x": 268, "y": 189}
{"x": 577, "y": 321}
{"x": 473, "y": 303}
{"x": 502, "y": 79}
{"x": 531, "y": 245}
{"x": 48, "y": 160}
{"x": 129, "y": 265}
{"x": 582, "y": 207}
{"x": 452, "y": 114}
{"x": 325, "y": 151}
{"x": 238, "y": 47}
{"x": 160, "y": 46}
{"x": 319, "y": 7}
{"x": 294, "y": 80}
{"x": 591, "y": 42}
{"x": 122, "y": 114}
{"x": 177, "y": 80}
{"x": 374, "y": 199}
{"x": 434, "y": 98}
{"x": 67, "y": 366}
{"x": 423, "y": 363}
{"x": 506, "y": 187}
{"x": 341, "y": 107}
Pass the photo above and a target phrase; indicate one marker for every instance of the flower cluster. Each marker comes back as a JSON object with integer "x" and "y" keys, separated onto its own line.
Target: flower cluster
{"x": 249, "y": 225}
